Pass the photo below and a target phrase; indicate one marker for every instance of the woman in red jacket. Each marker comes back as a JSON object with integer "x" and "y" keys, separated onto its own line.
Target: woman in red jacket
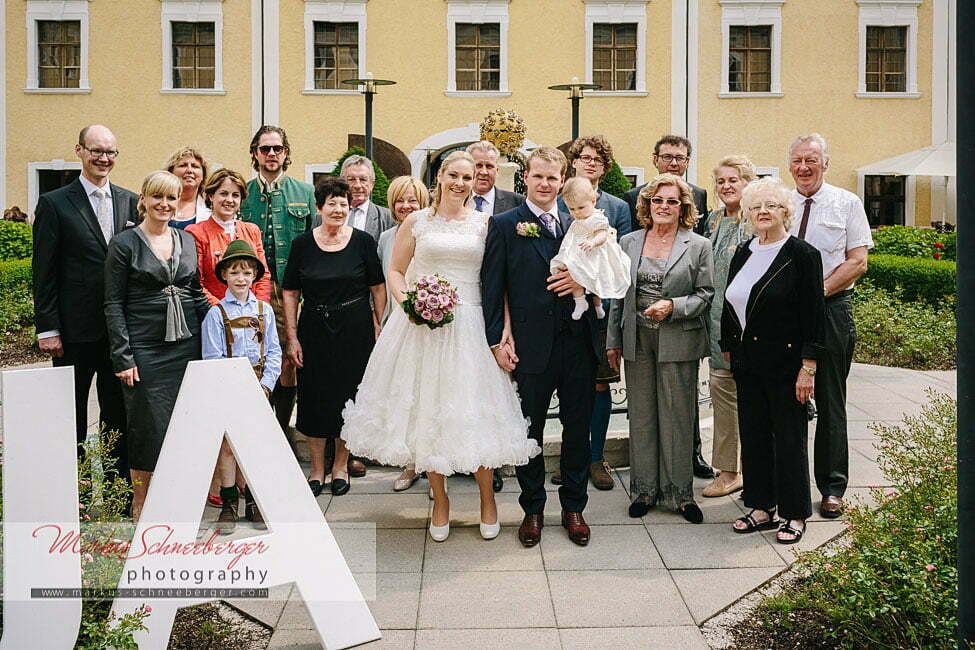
{"x": 224, "y": 192}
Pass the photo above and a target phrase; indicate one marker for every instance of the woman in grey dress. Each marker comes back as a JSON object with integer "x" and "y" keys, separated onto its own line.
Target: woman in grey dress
{"x": 658, "y": 330}
{"x": 153, "y": 308}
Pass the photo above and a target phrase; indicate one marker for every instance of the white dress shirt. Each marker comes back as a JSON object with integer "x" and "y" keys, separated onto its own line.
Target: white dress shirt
{"x": 488, "y": 207}
{"x": 837, "y": 224}
{"x": 358, "y": 214}
{"x": 537, "y": 211}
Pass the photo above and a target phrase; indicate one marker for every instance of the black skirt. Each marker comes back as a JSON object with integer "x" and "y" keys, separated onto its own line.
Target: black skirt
{"x": 149, "y": 404}
{"x": 335, "y": 346}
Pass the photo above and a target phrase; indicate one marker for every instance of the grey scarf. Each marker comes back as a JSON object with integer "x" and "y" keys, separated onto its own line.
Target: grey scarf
{"x": 176, "y": 328}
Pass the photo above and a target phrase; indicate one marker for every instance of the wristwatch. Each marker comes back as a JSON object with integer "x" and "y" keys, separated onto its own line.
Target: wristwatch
{"x": 809, "y": 370}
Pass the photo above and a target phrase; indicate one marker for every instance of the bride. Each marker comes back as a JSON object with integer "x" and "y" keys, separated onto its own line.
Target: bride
{"x": 437, "y": 398}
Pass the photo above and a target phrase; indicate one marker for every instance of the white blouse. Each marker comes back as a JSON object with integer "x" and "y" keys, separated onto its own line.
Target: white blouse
{"x": 740, "y": 288}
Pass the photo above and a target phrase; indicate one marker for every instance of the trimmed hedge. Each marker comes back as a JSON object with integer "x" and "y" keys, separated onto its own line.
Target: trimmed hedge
{"x": 17, "y": 302}
{"x": 914, "y": 242}
{"x": 16, "y": 241}
{"x": 916, "y": 278}
{"x": 615, "y": 182}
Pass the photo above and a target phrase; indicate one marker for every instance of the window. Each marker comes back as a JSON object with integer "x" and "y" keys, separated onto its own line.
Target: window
{"x": 477, "y": 45}
{"x": 478, "y": 56}
{"x": 335, "y": 45}
{"x": 336, "y": 54}
{"x": 884, "y": 198}
{"x": 614, "y": 56}
{"x": 616, "y": 47}
{"x": 193, "y": 55}
{"x": 886, "y": 59}
{"x": 750, "y": 59}
{"x": 57, "y": 46}
{"x": 43, "y": 177}
{"x": 49, "y": 180}
{"x": 888, "y": 49}
{"x": 192, "y": 46}
{"x": 751, "y": 50}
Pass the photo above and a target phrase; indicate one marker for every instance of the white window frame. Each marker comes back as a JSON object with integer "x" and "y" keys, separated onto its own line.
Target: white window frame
{"x": 56, "y": 10}
{"x": 34, "y": 180}
{"x": 767, "y": 171}
{"x": 638, "y": 172}
{"x": 888, "y": 13}
{"x": 910, "y": 195}
{"x": 478, "y": 12}
{"x": 616, "y": 12}
{"x": 318, "y": 168}
{"x": 192, "y": 11}
{"x": 745, "y": 13}
{"x": 332, "y": 11}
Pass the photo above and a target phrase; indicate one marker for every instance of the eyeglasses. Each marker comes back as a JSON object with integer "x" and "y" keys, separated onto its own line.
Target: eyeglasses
{"x": 671, "y": 203}
{"x": 768, "y": 205}
{"x": 271, "y": 148}
{"x": 111, "y": 154}
{"x": 596, "y": 160}
{"x": 668, "y": 158}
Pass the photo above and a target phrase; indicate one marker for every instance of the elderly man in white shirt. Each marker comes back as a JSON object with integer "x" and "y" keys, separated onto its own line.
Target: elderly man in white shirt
{"x": 364, "y": 215}
{"x": 834, "y": 221}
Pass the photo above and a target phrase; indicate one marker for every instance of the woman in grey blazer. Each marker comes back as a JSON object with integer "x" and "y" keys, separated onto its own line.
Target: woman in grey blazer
{"x": 659, "y": 331}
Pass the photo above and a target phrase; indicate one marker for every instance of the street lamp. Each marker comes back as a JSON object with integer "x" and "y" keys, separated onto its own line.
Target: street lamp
{"x": 575, "y": 95}
{"x": 368, "y": 89}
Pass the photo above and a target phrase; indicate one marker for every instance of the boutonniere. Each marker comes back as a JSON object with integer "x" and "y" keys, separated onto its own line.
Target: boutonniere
{"x": 527, "y": 229}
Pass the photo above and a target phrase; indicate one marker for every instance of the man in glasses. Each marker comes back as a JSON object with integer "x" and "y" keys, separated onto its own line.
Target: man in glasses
{"x": 671, "y": 155}
{"x": 72, "y": 228}
{"x": 364, "y": 215}
{"x": 283, "y": 208}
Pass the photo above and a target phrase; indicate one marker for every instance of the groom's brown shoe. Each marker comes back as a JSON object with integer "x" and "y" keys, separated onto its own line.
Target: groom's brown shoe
{"x": 530, "y": 531}
{"x": 577, "y": 527}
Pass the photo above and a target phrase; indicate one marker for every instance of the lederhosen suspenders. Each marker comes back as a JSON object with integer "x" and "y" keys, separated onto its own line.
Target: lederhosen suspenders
{"x": 246, "y": 322}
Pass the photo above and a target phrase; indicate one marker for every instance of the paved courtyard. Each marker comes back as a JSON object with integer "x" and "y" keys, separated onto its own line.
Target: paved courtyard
{"x": 641, "y": 583}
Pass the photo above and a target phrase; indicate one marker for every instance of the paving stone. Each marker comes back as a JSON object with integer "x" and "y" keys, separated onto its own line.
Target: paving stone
{"x": 392, "y": 598}
{"x": 685, "y": 637}
{"x": 384, "y": 550}
{"x": 524, "y": 639}
{"x": 383, "y": 510}
{"x": 610, "y": 547}
{"x": 708, "y": 591}
{"x": 616, "y": 599}
{"x": 465, "y": 550}
{"x": 715, "y": 509}
{"x": 308, "y": 640}
{"x": 817, "y": 533}
{"x": 474, "y": 599}
{"x": 711, "y": 546}
{"x": 465, "y": 509}
{"x": 266, "y": 610}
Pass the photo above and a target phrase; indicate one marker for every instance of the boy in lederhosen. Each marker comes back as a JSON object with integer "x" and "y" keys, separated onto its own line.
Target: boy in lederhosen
{"x": 240, "y": 325}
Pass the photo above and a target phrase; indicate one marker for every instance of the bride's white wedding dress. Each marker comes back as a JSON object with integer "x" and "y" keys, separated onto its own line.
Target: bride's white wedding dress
{"x": 437, "y": 398}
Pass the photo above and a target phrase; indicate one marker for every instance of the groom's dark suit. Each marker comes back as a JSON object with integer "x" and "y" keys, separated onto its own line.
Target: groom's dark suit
{"x": 554, "y": 351}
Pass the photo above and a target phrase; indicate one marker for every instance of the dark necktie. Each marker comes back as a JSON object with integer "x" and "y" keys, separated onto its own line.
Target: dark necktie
{"x": 805, "y": 219}
{"x": 479, "y": 203}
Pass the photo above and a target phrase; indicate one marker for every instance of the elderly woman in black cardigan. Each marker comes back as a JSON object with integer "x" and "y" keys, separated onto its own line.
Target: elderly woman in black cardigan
{"x": 772, "y": 331}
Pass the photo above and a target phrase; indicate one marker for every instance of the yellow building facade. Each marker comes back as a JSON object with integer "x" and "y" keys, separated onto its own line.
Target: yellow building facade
{"x": 734, "y": 76}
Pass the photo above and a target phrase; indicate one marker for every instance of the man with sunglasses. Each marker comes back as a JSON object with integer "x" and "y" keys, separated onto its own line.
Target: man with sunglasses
{"x": 72, "y": 228}
{"x": 671, "y": 155}
{"x": 282, "y": 208}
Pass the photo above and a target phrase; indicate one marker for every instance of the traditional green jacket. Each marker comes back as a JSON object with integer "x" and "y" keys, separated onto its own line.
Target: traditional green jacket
{"x": 282, "y": 214}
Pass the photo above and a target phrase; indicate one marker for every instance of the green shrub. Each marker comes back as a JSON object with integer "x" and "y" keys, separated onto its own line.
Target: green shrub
{"x": 920, "y": 279}
{"x": 614, "y": 182}
{"x": 895, "y": 332}
{"x": 16, "y": 296}
{"x": 895, "y": 584}
{"x": 909, "y": 241}
{"x": 16, "y": 241}
{"x": 382, "y": 183}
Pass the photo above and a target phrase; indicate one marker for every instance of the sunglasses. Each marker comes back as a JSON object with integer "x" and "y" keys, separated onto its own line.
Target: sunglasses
{"x": 271, "y": 148}
{"x": 672, "y": 203}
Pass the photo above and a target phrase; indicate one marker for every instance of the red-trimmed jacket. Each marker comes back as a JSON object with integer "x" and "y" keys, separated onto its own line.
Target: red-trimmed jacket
{"x": 211, "y": 241}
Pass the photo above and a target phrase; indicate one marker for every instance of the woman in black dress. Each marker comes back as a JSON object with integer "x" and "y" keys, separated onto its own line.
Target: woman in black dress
{"x": 334, "y": 268}
{"x": 153, "y": 308}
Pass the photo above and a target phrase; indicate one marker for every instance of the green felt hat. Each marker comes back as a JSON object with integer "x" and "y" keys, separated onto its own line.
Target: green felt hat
{"x": 239, "y": 250}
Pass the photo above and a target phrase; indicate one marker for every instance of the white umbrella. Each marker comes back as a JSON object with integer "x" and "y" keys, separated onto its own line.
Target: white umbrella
{"x": 937, "y": 160}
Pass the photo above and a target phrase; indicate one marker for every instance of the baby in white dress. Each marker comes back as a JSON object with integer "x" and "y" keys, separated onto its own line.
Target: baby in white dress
{"x": 590, "y": 251}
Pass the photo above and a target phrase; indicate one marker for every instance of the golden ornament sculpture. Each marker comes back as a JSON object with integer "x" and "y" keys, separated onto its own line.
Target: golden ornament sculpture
{"x": 505, "y": 130}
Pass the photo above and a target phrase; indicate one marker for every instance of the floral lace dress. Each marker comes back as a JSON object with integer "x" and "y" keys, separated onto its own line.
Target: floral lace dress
{"x": 436, "y": 397}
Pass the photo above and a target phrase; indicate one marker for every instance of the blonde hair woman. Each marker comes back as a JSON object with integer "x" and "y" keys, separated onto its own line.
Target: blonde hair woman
{"x": 726, "y": 230}
{"x": 191, "y": 168}
{"x": 153, "y": 308}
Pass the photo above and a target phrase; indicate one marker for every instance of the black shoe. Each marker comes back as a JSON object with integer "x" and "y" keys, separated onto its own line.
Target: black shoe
{"x": 701, "y": 468}
{"x": 498, "y": 482}
{"x": 340, "y": 486}
{"x": 691, "y": 512}
{"x": 316, "y": 487}
{"x": 639, "y": 509}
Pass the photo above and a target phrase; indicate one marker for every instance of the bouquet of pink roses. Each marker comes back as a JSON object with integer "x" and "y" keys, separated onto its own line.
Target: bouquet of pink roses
{"x": 431, "y": 301}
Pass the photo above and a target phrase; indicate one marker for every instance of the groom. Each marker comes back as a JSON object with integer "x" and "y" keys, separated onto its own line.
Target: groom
{"x": 554, "y": 352}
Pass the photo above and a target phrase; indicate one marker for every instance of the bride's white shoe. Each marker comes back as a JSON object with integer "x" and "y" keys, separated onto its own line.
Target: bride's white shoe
{"x": 490, "y": 531}
{"x": 439, "y": 533}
